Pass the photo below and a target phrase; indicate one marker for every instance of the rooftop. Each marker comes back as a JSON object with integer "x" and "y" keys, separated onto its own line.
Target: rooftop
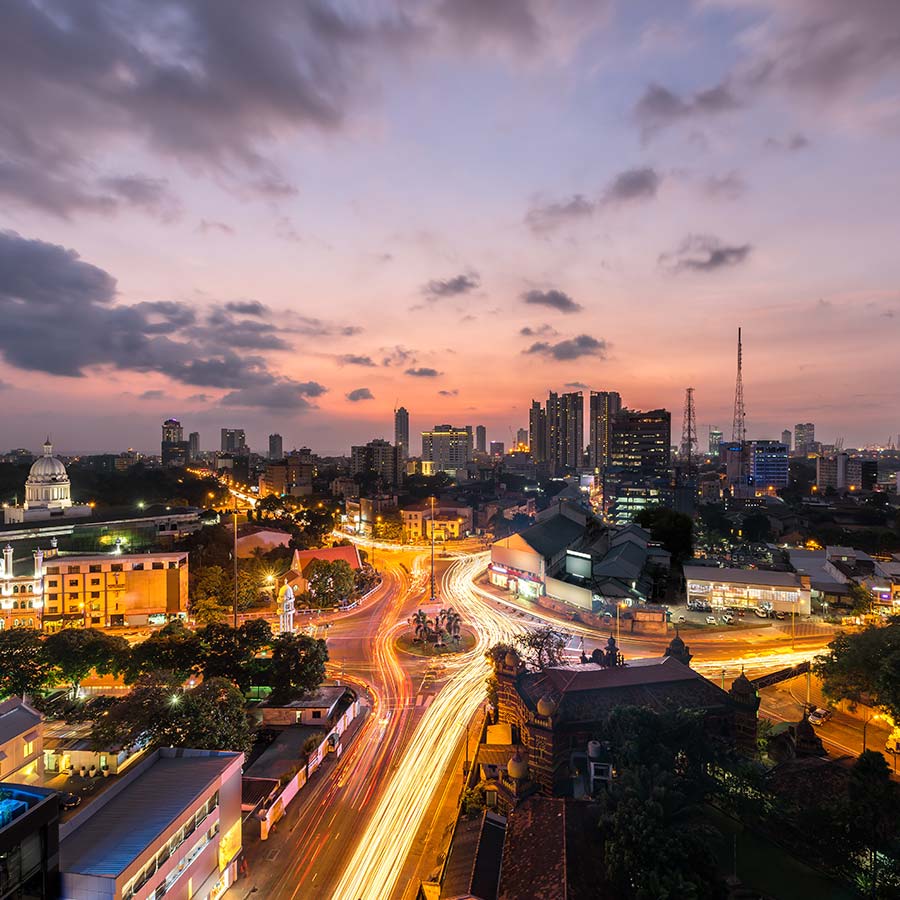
{"x": 534, "y": 855}
{"x": 140, "y": 808}
{"x": 552, "y": 536}
{"x": 285, "y": 754}
{"x": 742, "y": 576}
{"x": 17, "y": 718}
{"x": 323, "y": 698}
{"x": 349, "y": 554}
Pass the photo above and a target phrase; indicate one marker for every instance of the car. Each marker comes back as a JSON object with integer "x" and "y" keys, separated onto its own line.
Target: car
{"x": 780, "y": 615}
{"x": 761, "y": 613}
{"x": 710, "y": 620}
{"x": 728, "y": 619}
{"x": 819, "y": 716}
{"x": 681, "y": 618}
{"x": 69, "y": 800}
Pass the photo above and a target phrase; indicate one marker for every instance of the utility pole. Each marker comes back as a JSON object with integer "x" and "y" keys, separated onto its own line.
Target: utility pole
{"x": 234, "y": 514}
{"x": 432, "y": 549}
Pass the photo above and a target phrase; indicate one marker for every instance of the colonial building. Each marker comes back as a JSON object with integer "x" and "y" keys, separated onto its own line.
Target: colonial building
{"x": 48, "y": 493}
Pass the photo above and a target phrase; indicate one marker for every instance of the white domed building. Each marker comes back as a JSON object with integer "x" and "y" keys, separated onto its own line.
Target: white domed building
{"x": 48, "y": 493}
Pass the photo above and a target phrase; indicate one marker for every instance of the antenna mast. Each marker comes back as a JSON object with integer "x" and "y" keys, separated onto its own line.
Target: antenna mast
{"x": 689, "y": 431}
{"x": 738, "y": 428}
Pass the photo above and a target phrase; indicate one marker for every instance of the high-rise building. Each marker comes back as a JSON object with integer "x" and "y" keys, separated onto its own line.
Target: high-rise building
{"x": 786, "y": 438}
{"x": 521, "y": 438}
{"x": 537, "y": 432}
{"x": 769, "y": 465}
{"x": 640, "y": 444}
{"x": 804, "y": 437}
{"x": 715, "y": 438}
{"x": 449, "y": 449}
{"x": 378, "y": 457}
{"x": 565, "y": 430}
{"x": 234, "y": 441}
{"x": 604, "y": 407}
{"x": 498, "y": 448}
{"x": 174, "y": 449}
{"x": 194, "y": 445}
{"x": 841, "y": 471}
{"x": 401, "y": 431}
{"x": 276, "y": 447}
{"x": 480, "y": 439}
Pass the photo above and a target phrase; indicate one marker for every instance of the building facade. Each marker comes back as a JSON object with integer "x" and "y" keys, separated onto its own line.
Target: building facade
{"x": 48, "y": 493}
{"x": 234, "y": 440}
{"x": 841, "y": 472}
{"x": 804, "y": 437}
{"x": 769, "y": 465}
{"x": 786, "y": 592}
{"x": 640, "y": 444}
{"x": 480, "y": 439}
{"x": 565, "y": 431}
{"x": 449, "y": 449}
{"x": 379, "y": 458}
{"x": 537, "y": 432}
{"x": 715, "y": 438}
{"x": 401, "y": 431}
{"x": 289, "y": 476}
{"x": 276, "y": 447}
{"x": 604, "y": 406}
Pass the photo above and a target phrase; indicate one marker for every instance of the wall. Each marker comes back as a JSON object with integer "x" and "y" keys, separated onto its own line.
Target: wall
{"x": 569, "y": 593}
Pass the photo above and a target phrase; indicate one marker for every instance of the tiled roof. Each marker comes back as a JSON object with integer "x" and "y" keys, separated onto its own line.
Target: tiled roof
{"x": 349, "y": 554}
{"x": 534, "y": 855}
{"x": 553, "y": 536}
{"x": 16, "y": 718}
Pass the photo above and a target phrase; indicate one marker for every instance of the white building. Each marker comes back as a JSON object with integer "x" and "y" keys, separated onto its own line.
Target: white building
{"x": 749, "y": 589}
{"x": 48, "y": 493}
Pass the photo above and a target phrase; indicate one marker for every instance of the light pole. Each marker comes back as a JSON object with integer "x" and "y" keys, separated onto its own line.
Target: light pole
{"x": 875, "y": 717}
{"x": 432, "y": 549}
{"x": 234, "y": 518}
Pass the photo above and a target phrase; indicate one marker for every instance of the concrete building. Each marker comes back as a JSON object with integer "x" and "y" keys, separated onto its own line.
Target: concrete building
{"x": 840, "y": 471}
{"x": 498, "y": 448}
{"x": 401, "y": 431}
{"x": 378, "y": 458}
{"x": 170, "y": 826}
{"x": 449, "y": 449}
{"x": 234, "y": 441}
{"x": 112, "y": 590}
{"x": 194, "y": 446}
{"x": 787, "y": 592}
{"x": 48, "y": 493}
{"x": 604, "y": 406}
{"x": 480, "y": 439}
{"x": 715, "y": 439}
{"x": 21, "y": 743}
{"x": 565, "y": 431}
{"x": 769, "y": 465}
{"x": 804, "y": 437}
{"x": 537, "y": 432}
{"x": 29, "y": 842}
{"x": 289, "y": 476}
{"x": 640, "y": 444}
{"x": 450, "y": 522}
{"x": 786, "y": 438}
{"x": 276, "y": 447}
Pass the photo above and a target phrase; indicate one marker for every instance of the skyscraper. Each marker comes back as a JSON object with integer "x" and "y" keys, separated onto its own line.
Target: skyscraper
{"x": 194, "y": 445}
{"x": 715, "y": 438}
{"x": 786, "y": 438}
{"x": 401, "y": 431}
{"x": 640, "y": 444}
{"x": 174, "y": 449}
{"x": 522, "y": 438}
{"x": 480, "y": 439}
{"x": 234, "y": 441}
{"x": 804, "y": 437}
{"x": 172, "y": 431}
{"x": 276, "y": 447}
{"x": 565, "y": 430}
{"x": 378, "y": 457}
{"x": 447, "y": 447}
{"x": 769, "y": 465}
{"x": 537, "y": 432}
{"x": 604, "y": 407}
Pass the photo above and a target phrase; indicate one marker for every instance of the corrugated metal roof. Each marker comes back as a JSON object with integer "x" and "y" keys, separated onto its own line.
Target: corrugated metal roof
{"x": 742, "y": 576}
{"x": 553, "y": 536}
{"x": 16, "y": 718}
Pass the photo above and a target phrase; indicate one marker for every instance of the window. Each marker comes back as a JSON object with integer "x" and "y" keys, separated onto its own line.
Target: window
{"x": 317, "y": 713}
{"x": 95, "y": 595}
{"x": 137, "y": 567}
{"x": 158, "y": 565}
{"x": 52, "y": 582}
{"x": 173, "y": 565}
{"x": 53, "y": 597}
{"x": 116, "y": 567}
{"x": 95, "y": 567}
{"x": 28, "y": 748}
{"x": 52, "y": 609}
{"x": 95, "y": 581}
{"x": 73, "y": 582}
{"x": 73, "y": 570}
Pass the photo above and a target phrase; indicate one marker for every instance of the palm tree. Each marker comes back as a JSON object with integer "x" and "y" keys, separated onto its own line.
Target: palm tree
{"x": 420, "y": 620}
{"x": 454, "y": 624}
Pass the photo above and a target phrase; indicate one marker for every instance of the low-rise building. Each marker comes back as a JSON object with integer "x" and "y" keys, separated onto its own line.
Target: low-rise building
{"x": 21, "y": 742}
{"x": 787, "y": 592}
{"x": 448, "y": 521}
{"x": 171, "y": 826}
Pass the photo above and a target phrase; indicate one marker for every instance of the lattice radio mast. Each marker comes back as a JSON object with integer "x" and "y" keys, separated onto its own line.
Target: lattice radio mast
{"x": 738, "y": 428}
{"x": 689, "y": 430}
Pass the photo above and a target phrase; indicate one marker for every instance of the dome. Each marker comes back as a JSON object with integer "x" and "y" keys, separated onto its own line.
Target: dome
{"x": 47, "y": 468}
{"x": 512, "y": 661}
{"x": 742, "y": 685}
{"x": 546, "y": 706}
{"x": 517, "y": 767}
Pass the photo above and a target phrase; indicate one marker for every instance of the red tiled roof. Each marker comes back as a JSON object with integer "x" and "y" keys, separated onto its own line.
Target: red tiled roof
{"x": 349, "y": 554}
{"x": 591, "y": 677}
{"x": 534, "y": 855}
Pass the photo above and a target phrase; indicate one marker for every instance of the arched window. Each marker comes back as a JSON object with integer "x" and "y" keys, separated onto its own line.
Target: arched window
{"x": 15, "y": 589}
{"x": 16, "y": 623}
{"x": 31, "y": 604}
{"x": 31, "y": 623}
{"x": 15, "y": 604}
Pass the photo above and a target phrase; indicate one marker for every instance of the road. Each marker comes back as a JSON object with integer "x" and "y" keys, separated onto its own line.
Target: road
{"x": 360, "y": 829}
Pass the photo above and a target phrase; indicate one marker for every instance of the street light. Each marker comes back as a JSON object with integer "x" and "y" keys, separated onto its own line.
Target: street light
{"x": 874, "y": 717}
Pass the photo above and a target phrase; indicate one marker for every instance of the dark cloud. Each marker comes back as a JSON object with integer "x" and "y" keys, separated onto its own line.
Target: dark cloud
{"x": 658, "y": 107}
{"x": 396, "y": 356}
{"x": 452, "y": 287}
{"x": 248, "y": 308}
{"x": 352, "y": 359}
{"x": 141, "y": 192}
{"x": 633, "y": 184}
{"x": 152, "y": 395}
{"x": 554, "y": 299}
{"x": 199, "y": 398}
{"x": 281, "y": 394}
{"x": 60, "y": 317}
{"x": 210, "y": 84}
{"x": 538, "y": 331}
{"x": 578, "y": 385}
{"x": 206, "y": 226}
{"x": 423, "y": 372}
{"x": 572, "y": 348}
{"x": 553, "y": 215}
{"x": 705, "y": 253}
{"x": 728, "y": 187}
{"x": 452, "y": 393}
{"x": 360, "y": 394}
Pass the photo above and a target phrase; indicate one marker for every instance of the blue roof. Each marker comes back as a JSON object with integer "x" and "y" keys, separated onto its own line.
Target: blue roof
{"x": 123, "y": 828}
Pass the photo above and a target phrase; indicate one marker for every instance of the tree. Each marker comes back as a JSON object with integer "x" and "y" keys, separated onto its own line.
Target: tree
{"x": 173, "y": 648}
{"x": 76, "y": 652}
{"x": 256, "y": 634}
{"x": 861, "y": 598}
{"x": 864, "y": 667}
{"x": 329, "y": 582}
{"x": 212, "y": 716}
{"x": 210, "y": 582}
{"x": 227, "y": 653}
{"x": 542, "y": 647}
{"x": 674, "y": 530}
{"x": 756, "y": 528}
{"x": 24, "y": 667}
{"x": 297, "y": 666}
{"x": 208, "y": 611}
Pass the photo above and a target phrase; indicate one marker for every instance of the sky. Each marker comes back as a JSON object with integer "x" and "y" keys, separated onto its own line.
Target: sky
{"x": 293, "y": 216}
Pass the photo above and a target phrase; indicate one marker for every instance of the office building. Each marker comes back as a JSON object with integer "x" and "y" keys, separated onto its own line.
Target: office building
{"x": 379, "y": 459}
{"x": 768, "y": 465}
{"x": 172, "y": 431}
{"x": 841, "y": 472}
{"x": 537, "y": 432}
{"x": 498, "y": 448}
{"x": 480, "y": 439}
{"x": 565, "y": 431}
{"x": 604, "y": 407}
{"x": 291, "y": 475}
{"x": 640, "y": 444}
{"x": 449, "y": 449}
{"x": 786, "y": 438}
{"x": 175, "y": 450}
{"x": 401, "y": 431}
{"x": 234, "y": 441}
{"x": 804, "y": 437}
{"x": 194, "y": 446}
{"x": 522, "y": 439}
{"x": 170, "y": 826}
{"x": 715, "y": 439}
{"x": 276, "y": 447}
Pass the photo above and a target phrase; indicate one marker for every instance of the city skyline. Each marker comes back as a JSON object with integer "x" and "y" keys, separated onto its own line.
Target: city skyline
{"x": 460, "y": 211}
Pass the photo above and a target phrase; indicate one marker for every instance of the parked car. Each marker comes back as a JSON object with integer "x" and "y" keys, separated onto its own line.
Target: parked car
{"x": 761, "y": 613}
{"x": 681, "y": 618}
{"x": 710, "y": 620}
{"x": 728, "y": 619}
{"x": 819, "y": 716}
{"x": 69, "y": 800}
{"x": 780, "y": 615}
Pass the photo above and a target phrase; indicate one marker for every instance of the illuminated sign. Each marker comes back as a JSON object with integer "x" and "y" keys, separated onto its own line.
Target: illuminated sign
{"x": 699, "y": 588}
